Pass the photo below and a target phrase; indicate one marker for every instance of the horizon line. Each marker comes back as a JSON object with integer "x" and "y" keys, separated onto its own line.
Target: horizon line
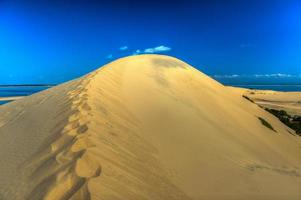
{"x": 27, "y": 85}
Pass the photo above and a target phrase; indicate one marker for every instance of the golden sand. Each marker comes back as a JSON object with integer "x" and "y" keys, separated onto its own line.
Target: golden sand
{"x": 288, "y": 101}
{"x": 145, "y": 127}
{"x": 10, "y": 98}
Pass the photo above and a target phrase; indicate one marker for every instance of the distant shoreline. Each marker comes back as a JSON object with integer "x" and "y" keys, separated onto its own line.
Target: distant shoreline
{"x": 14, "y": 92}
{"x": 29, "y": 85}
{"x": 226, "y": 84}
{"x": 10, "y": 98}
{"x": 263, "y": 84}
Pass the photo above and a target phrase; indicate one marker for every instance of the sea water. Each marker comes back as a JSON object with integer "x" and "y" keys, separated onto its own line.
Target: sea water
{"x": 28, "y": 90}
{"x": 4, "y": 102}
{"x": 282, "y": 88}
{"x": 15, "y": 91}
{"x": 20, "y": 90}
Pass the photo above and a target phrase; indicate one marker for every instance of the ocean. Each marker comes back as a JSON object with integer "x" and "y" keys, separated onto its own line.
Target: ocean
{"x": 28, "y": 90}
{"x": 4, "y": 102}
{"x": 282, "y": 88}
{"x": 15, "y": 91}
{"x": 9, "y": 91}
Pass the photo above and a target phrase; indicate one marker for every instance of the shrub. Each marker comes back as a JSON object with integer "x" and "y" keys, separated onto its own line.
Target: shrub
{"x": 297, "y": 118}
{"x": 292, "y": 122}
{"x": 266, "y": 124}
{"x": 246, "y": 97}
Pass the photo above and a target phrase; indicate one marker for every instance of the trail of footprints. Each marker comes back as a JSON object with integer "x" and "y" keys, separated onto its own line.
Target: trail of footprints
{"x": 59, "y": 168}
{"x": 63, "y": 170}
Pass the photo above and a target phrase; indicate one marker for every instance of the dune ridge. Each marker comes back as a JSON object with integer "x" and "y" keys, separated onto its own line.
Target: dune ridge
{"x": 58, "y": 171}
{"x": 143, "y": 128}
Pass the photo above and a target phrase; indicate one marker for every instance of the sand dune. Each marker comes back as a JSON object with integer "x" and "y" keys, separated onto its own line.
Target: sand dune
{"x": 288, "y": 101}
{"x": 145, "y": 127}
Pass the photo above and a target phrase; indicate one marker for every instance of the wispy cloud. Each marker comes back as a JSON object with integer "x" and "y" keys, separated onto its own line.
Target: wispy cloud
{"x": 227, "y": 76}
{"x": 278, "y": 75}
{"x": 138, "y": 51}
{"x": 274, "y": 75}
{"x": 157, "y": 49}
{"x": 123, "y": 48}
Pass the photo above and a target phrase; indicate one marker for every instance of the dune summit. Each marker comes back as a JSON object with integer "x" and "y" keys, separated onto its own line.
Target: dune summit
{"x": 145, "y": 127}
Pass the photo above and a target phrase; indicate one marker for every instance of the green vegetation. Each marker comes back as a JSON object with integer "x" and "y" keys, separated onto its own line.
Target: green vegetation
{"x": 294, "y": 122}
{"x": 246, "y": 97}
{"x": 266, "y": 124}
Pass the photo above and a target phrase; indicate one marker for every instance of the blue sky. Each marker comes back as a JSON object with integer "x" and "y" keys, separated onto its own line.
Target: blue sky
{"x": 54, "y": 41}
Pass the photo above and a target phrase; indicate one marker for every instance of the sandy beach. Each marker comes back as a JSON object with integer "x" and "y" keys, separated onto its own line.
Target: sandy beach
{"x": 287, "y": 101}
{"x": 9, "y": 98}
{"x": 148, "y": 127}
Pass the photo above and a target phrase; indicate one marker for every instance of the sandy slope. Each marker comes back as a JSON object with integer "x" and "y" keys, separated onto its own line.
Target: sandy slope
{"x": 145, "y": 127}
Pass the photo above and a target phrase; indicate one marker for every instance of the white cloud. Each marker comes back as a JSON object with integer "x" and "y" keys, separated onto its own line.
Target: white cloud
{"x": 123, "y": 48}
{"x": 278, "y": 75}
{"x": 158, "y": 49}
{"x": 138, "y": 51}
{"x": 110, "y": 56}
{"x": 275, "y": 75}
{"x": 227, "y": 76}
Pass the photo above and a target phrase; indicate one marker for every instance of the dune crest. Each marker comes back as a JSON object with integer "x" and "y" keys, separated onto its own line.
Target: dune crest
{"x": 63, "y": 169}
{"x": 145, "y": 127}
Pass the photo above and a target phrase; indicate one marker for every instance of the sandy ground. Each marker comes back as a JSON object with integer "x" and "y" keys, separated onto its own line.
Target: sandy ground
{"x": 145, "y": 127}
{"x": 9, "y": 98}
{"x": 288, "y": 101}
